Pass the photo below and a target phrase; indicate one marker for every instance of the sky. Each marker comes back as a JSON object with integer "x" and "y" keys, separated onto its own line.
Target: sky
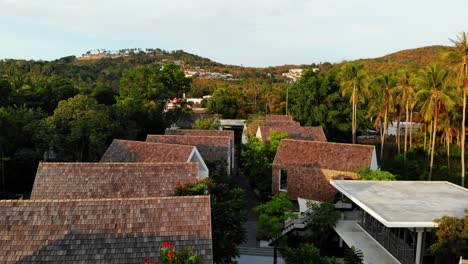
{"x": 256, "y": 33}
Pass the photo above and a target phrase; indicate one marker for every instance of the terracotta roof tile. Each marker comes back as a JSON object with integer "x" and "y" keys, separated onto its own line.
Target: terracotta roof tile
{"x": 200, "y": 132}
{"x": 110, "y": 180}
{"x": 324, "y": 155}
{"x": 139, "y": 151}
{"x": 211, "y": 148}
{"x": 107, "y": 230}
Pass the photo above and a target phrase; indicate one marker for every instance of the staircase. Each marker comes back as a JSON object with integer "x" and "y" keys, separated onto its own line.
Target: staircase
{"x": 257, "y": 251}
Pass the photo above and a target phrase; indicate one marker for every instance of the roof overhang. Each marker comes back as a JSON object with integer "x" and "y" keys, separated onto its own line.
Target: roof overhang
{"x": 376, "y": 215}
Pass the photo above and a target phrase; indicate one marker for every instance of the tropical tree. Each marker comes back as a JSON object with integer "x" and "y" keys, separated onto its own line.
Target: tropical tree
{"x": 461, "y": 55}
{"x": 407, "y": 94}
{"x": 435, "y": 95}
{"x": 272, "y": 216}
{"x": 386, "y": 83}
{"x": 353, "y": 82}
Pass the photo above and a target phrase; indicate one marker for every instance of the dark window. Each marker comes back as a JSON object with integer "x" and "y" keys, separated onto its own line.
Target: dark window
{"x": 283, "y": 179}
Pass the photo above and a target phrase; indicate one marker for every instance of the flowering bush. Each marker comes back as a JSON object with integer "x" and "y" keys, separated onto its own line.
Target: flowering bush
{"x": 196, "y": 187}
{"x": 169, "y": 255}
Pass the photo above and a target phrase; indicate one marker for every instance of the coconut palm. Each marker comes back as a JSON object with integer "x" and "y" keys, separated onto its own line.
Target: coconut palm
{"x": 386, "y": 84}
{"x": 353, "y": 82}
{"x": 460, "y": 53}
{"x": 435, "y": 95}
{"x": 407, "y": 94}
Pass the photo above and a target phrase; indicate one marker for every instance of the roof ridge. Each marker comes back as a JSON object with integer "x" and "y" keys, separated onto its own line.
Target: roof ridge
{"x": 131, "y": 164}
{"x": 185, "y": 135}
{"x": 148, "y": 142}
{"x": 201, "y": 197}
{"x": 330, "y": 143}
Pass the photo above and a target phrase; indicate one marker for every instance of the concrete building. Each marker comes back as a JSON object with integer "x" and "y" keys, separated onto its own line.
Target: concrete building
{"x": 393, "y": 220}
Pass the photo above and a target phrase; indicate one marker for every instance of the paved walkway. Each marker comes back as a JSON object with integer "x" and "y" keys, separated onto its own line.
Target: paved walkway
{"x": 354, "y": 235}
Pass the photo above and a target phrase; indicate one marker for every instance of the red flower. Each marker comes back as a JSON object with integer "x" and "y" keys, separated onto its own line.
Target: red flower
{"x": 171, "y": 255}
{"x": 146, "y": 260}
{"x": 178, "y": 184}
{"x": 167, "y": 244}
{"x": 183, "y": 187}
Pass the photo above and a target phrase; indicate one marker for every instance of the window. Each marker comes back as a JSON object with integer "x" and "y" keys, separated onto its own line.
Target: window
{"x": 283, "y": 180}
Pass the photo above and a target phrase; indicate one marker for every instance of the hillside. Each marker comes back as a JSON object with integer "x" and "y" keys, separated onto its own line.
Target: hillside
{"x": 410, "y": 58}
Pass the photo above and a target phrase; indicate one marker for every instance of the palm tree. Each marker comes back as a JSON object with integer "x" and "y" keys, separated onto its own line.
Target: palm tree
{"x": 353, "y": 82}
{"x": 386, "y": 83}
{"x": 436, "y": 95}
{"x": 461, "y": 55}
{"x": 407, "y": 94}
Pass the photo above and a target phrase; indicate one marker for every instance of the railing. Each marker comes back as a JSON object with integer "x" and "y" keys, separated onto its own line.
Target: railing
{"x": 396, "y": 246}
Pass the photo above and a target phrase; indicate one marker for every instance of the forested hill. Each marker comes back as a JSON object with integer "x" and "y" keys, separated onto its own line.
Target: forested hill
{"x": 410, "y": 59}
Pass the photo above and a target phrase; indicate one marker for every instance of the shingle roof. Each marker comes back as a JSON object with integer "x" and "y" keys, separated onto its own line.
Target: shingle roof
{"x": 278, "y": 118}
{"x": 139, "y": 151}
{"x": 102, "y": 230}
{"x": 325, "y": 155}
{"x": 295, "y": 132}
{"x": 110, "y": 180}
{"x": 200, "y": 132}
{"x": 210, "y": 147}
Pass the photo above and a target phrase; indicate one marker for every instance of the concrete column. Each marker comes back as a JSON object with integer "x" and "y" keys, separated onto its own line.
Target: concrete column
{"x": 417, "y": 260}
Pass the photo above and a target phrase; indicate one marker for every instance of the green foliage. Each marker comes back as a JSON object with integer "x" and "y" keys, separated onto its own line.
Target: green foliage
{"x": 226, "y": 102}
{"x": 353, "y": 256}
{"x": 227, "y": 215}
{"x": 316, "y": 101}
{"x": 211, "y": 123}
{"x": 272, "y": 216}
{"x": 80, "y": 129}
{"x": 323, "y": 218}
{"x": 257, "y": 157}
{"x": 451, "y": 237}
{"x": 367, "y": 174}
{"x": 305, "y": 254}
{"x": 21, "y": 147}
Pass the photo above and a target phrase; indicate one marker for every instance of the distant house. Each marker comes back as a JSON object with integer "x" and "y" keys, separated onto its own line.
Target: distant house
{"x": 294, "y": 132}
{"x": 75, "y": 180}
{"x": 393, "y": 221}
{"x": 103, "y": 230}
{"x": 139, "y": 151}
{"x": 201, "y": 132}
{"x": 213, "y": 149}
{"x": 303, "y": 168}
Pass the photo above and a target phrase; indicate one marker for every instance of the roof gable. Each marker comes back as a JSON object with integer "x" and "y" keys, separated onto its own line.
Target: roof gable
{"x": 140, "y": 151}
{"x": 110, "y": 180}
{"x": 114, "y": 230}
{"x": 210, "y": 147}
{"x": 201, "y": 132}
{"x": 325, "y": 155}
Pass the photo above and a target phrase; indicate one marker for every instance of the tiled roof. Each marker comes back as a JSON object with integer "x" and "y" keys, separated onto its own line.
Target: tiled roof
{"x": 325, "y": 155}
{"x": 210, "y": 147}
{"x": 295, "y": 132}
{"x": 110, "y": 180}
{"x": 139, "y": 151}
{"x": 278, "y": 118}
{"x": 199, "y": 132}
{"x": 102, "y": 230}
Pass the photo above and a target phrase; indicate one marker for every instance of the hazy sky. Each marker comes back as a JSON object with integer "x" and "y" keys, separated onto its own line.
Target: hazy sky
{"x": 252, "y": 33}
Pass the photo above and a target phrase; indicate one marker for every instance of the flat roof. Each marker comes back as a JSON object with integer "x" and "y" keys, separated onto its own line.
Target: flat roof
{"x": 406, "y": 203}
